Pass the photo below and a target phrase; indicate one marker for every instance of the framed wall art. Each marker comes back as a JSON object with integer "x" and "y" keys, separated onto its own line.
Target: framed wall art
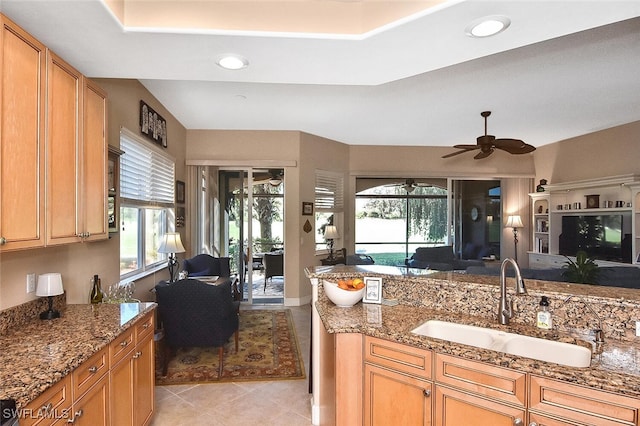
{"x": 179, "y": 191}
{"x": 152, "y": 125}
{"x": 307, "y": 209}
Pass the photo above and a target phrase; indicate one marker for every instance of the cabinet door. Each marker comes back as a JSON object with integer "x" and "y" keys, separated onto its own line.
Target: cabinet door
{"x": 395, "y": 398}
{"x": 455, "y": 408}
{"x": 143, "y": 390}
{"x": 94, "y": 162}
{"x": 122, "y": 384}
{"x": 64, "y": 101}
{"x": 93, "y": 408}
{"x": 22, "y": 94}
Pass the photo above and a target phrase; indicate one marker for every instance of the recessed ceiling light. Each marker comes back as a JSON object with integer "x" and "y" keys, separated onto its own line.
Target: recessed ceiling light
{"x": 487, "y": 26}
{"x": 232, "y": 62}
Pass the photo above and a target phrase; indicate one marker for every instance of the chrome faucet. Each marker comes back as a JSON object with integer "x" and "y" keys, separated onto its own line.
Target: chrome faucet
{"x": 598, "y": 333}
{"x": 505, "y": 310}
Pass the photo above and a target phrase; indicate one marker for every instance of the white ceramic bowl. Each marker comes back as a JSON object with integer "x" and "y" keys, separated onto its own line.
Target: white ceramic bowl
{"x": 342, "y": 298}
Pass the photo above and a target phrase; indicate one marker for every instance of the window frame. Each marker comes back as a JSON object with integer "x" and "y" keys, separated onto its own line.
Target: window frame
{"x": 329, "y": 200}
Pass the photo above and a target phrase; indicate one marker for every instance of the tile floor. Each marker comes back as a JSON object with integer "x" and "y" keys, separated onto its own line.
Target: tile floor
{"x": 277, "y": 403}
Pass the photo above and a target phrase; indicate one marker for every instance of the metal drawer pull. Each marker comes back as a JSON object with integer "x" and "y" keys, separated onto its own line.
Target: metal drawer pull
{"x": 3, "y": 241}
{"x": 47, "y": 407}
{"x": 123, "y": 344}
{"x": 518, "y": 422}
{"x": 146, "y": 325}
{"x": 137, "y": 355}
{"x": 93, "y": 369}
{"x": 427, "y": 392}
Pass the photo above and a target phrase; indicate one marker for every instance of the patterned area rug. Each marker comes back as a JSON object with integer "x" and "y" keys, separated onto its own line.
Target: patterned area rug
{"x": 268, "y": 350}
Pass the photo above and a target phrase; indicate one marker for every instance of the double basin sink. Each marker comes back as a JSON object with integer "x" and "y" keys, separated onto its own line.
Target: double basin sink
{"x": 567, "y": 354}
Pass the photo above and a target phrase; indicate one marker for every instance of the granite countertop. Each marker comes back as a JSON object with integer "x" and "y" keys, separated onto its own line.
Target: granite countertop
{"x": 615, "y": 368}
{"x": 41, "y": 352}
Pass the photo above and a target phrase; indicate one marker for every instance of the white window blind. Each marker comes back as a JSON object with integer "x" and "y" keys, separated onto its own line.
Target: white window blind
{"x": 147, "y": 175}
{"x": 329, "y": 191}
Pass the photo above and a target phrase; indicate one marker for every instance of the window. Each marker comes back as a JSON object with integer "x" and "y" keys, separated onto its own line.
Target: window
{"x": 147, "y": 177}
{"x": 329, "y": 204}
{"x": 393, "y": 218}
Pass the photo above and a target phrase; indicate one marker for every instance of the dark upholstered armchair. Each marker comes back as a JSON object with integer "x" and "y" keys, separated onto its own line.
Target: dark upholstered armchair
{"x": 273, "y": 266}
{"x": 207, "y": 265}
{"x": 197, "y": 314}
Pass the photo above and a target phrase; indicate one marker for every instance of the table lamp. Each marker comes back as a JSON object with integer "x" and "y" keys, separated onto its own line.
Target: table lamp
{"x": 330, "y": 234}
{"x": 514, "y": 222}
{"x": 171, "y": 244}
{"x": 49, "y": 285}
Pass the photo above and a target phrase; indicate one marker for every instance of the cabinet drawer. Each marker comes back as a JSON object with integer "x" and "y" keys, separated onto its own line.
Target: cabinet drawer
{"x": 144, "y": 327}
{"x": 122, "y": 345}
{"x": 488, "y": 380}
{"x": 52, "y": 404}
{"x": 582, "y": 404}
{"x": 89, "y": 372}
{"x": 398, "y": 357}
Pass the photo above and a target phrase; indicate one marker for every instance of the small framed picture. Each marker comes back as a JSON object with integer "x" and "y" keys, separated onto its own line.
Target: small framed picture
{"x": 179, "y": 191}
{"x": 307, "y": 209}
{"x": 372, "y": 290}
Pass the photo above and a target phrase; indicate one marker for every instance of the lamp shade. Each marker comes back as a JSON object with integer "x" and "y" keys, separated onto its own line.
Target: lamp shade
{"x": 171, "y": 243}
{"x": 49, "y": 285}
{"x": 514, "y": 222}
{"x": 331, "y": 232}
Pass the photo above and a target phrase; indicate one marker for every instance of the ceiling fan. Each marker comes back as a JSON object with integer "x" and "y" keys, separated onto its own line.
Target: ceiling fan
{"x": 273, "y": 176}
{"x": 409, "y": 184}
{"x": 488, "y": 143}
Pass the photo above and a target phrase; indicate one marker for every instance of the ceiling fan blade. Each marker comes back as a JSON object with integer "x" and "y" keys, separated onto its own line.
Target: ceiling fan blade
{"x": 513, "y": 146}
{"x": 483, "y": 154}
{"x": 457, "y": 152}
{"x": 467, "y": 147}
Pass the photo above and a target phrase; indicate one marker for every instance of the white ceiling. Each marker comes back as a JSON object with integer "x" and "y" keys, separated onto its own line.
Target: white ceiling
{"x": 562, "y": 69}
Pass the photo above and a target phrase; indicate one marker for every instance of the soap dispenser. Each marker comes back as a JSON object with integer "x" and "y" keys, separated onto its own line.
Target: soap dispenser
{"x": 544, "y": 316}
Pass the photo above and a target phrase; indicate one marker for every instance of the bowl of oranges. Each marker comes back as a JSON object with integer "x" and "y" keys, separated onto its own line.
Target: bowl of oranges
{"x": 345, "y": 292}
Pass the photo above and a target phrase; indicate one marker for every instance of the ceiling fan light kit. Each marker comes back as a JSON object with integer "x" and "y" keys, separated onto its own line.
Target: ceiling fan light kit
{"x": 487, "y": 144}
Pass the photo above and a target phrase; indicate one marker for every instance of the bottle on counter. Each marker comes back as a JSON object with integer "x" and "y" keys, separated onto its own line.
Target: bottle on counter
{"x": 96, "y": 290}
{"x": 544, "y": 316}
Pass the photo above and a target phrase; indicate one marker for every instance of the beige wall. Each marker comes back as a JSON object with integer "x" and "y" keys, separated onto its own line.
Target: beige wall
{"x": 608, "y": 152}
{"x": 79, "y": 262}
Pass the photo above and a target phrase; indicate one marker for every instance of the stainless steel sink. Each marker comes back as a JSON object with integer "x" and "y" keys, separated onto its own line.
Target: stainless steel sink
{"x": 515, "y": 344}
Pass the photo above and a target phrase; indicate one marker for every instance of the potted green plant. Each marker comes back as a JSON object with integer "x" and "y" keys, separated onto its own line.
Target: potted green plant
{"x": 583, "y": 271}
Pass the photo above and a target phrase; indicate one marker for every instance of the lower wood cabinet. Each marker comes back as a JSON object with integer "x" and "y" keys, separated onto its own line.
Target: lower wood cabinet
{"x": 395, "y": 398}
{"x": 578, "y": 405}
{"x": 379, "y": 382}
{"x": 397, "y": 386}
{"x": 115, "y": 386}
{"x": 133, "y": 376}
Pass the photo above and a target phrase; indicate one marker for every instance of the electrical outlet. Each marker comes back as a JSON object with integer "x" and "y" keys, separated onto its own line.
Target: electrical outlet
{"x": 637, "y": 328}
{"x": 31, "y": 283}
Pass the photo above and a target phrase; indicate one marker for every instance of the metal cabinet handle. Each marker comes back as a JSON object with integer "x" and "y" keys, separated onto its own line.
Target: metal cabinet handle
{"x": 518, "y": 422}
{"x": 137, "y": 355}
{"x": 427, "y": 392}
{"x": 46, "y": 408}
{"x": 3, "y": 241}
{"x": 533, "y": 424}
{"x": 146, "y": 325}
{"x": 93, "y": 369}
{"x": 124, "y": 343}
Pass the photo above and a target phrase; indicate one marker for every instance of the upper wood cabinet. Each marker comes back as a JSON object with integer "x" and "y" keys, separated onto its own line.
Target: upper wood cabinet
{"x": 53, "y": 148}
{"x": 76, "y": 156}
{"x": 22, "y": 117}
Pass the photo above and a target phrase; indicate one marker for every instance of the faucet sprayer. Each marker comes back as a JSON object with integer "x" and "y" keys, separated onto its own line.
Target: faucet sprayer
{"x": 505, "y": 309}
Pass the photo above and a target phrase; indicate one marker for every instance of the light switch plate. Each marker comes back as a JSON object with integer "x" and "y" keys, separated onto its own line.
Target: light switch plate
{"x": 31, "y": 283}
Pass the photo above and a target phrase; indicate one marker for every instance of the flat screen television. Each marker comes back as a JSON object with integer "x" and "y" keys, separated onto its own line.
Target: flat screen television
{"x": 601, "y": 236}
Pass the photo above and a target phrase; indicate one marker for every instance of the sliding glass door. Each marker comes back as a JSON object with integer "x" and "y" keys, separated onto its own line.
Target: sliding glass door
{"x": 252, "y": 200}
